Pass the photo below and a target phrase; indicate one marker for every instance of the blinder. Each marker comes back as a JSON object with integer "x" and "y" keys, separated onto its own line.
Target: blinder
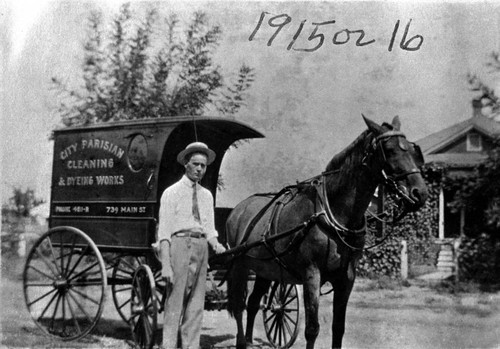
{"x": 418, "y": 157}
{"x": 414, "y": 148}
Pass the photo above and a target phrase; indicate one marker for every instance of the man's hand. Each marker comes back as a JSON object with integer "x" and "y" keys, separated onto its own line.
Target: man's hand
{"x": 167, "y": 273}
{"x": 216, "y": 246}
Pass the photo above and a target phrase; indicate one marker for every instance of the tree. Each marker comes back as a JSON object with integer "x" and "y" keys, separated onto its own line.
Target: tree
{"x": 141, "y": 68}
{"x": 487, "y": 95}
{"x": 22, "y": 201}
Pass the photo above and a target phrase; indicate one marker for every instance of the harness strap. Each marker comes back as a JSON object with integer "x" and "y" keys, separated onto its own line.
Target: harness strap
{"x": 261, "y": 213}
{"x": 323, "y": 200}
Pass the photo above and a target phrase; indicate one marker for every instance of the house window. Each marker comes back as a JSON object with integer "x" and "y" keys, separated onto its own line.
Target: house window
{"x": 474, "y": 142}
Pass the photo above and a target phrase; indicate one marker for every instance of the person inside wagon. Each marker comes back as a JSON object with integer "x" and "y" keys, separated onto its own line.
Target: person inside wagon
{"x": 186, "y": 224}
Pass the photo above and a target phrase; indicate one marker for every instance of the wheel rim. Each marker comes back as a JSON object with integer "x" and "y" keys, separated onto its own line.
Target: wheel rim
{"x": 143, "y": 308}
{"x": 121, "y": 285}
{"x": 64, "y": 282}
{"x": 281, "y": 314}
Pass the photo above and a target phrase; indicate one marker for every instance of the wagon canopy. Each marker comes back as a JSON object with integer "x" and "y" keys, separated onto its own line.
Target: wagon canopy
{"x": 107, "y": 179}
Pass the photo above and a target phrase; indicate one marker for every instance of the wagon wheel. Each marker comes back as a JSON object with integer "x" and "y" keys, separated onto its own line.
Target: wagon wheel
{"x": 281, "y": 314}
{"x": 121, "y": 284}
{"x": 64, "y": 283}
{"x": 143, "y": 308}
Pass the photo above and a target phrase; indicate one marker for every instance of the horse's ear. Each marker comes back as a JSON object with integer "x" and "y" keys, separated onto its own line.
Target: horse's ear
{"x": 373, "y": 126}
{"x": 396, "y": 123}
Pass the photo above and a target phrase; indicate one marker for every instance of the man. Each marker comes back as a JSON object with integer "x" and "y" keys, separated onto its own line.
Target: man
{"x": 186, "y": 223}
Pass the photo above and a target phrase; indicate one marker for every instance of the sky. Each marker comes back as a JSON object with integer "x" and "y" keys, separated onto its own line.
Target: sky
{"x": 307, "y": 104}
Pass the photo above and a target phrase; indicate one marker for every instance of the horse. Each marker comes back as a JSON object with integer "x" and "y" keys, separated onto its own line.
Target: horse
{"x": 321, "y": 225}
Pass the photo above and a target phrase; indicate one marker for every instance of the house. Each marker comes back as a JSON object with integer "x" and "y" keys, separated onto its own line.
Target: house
{"x": 460, "y": 147}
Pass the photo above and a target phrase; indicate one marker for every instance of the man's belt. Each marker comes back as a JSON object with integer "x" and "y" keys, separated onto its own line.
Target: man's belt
{"x": 189, "y": 234}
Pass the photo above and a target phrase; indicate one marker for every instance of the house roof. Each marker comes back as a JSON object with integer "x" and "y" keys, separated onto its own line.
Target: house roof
{"x": 459, "y": 160}
{"x": 436, "y": 141}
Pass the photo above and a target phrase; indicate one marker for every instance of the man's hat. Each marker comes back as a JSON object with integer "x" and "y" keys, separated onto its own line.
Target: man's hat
{"x": 196, "y": 147}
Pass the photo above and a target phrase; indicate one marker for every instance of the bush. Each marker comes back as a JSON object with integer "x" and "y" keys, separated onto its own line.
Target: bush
{"x": 417, "y": 228}
{"x": 479, "y": 259}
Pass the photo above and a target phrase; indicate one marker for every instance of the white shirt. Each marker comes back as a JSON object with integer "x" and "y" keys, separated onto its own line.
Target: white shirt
{"x": 176, "y": 210}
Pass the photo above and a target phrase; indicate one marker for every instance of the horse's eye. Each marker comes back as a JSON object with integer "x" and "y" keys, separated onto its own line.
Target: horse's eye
{"x": 402, "y": 144}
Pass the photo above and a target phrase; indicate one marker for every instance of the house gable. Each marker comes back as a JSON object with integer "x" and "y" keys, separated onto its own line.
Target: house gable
{"x": 462, "y": 145}
{"x": 472, "y": 141}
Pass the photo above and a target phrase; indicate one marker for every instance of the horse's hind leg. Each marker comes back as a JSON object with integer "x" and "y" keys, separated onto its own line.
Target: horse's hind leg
{"x": 259, "y": 289}
{"x": 237, "y": 293}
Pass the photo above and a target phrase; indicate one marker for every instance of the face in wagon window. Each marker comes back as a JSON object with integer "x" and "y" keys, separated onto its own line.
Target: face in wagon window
{"x": 196, "y": 167}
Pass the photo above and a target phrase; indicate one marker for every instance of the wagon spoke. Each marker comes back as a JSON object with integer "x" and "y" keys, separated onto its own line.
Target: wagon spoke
{"x": 124, "y": 304}
{"x": 148, "y": 327}
{"x": 83, "y": 295}
{"x": 42, "y": 273}
{"x": 282, "y": 331}
{"x": 47, "y": 306}
{"x": 123, "y": 289}
{"x": 137, "y": 324}
{"x": 46, "y": 262}
{"x": 270, "y": 317}
{"x": 75, "y": 321}
{"x": 39, "y": 284}
{"x": 293, "y": 298}
{"x": 289, "y": 330}
{"x": 275, "y": 323}
{"x": 61, "y": 256}
{"x": 79, "y": 260}
{"x": 80, "y": 306}
{"x": 55, "y": 311}
{"x": 81, "y": 272}
{"x": 41, "y": 297}
{"x": 290, "y": 288}
{"x": 63, "y": 308}
{"x": 53, "y": 255}
{"x": 294, "y": 322}
{"x": 68, "y": 263}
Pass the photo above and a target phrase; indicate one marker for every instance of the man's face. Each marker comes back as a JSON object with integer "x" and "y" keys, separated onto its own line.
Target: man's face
{"x": 196, "y": 167}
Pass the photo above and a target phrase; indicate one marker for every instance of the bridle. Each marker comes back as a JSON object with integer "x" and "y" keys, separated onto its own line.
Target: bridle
{"x": 389, "y": 181}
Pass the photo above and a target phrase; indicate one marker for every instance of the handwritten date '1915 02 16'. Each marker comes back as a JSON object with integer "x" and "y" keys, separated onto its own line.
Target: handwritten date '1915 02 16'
{"x": 340, "y": 37}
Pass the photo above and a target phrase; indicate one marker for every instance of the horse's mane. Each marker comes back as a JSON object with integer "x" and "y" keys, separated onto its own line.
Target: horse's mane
{"x": 354, "y": 152}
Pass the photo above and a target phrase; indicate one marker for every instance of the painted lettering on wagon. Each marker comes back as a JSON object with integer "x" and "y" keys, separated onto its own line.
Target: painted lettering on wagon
{"x": 91, "y": 180}
{"x": 92, "y": 143}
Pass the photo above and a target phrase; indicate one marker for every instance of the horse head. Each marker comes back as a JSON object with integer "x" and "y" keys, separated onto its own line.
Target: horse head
{"x": 398, "y": 162}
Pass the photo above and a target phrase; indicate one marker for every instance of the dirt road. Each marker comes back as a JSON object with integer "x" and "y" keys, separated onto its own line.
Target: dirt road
{"x": 407, "y": 317}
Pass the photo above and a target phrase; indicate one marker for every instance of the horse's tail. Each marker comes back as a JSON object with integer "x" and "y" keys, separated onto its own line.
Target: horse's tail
{"x": 236, "y": 287}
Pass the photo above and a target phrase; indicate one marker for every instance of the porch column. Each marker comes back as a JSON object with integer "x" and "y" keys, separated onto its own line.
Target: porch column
{"x": 441, "y": 215}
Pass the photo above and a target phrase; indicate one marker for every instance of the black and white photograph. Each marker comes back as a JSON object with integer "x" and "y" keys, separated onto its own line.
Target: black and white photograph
{"x": 220, "y": 174}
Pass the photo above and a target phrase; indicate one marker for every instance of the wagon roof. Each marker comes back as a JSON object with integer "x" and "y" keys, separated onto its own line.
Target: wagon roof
{"x": 237, "y": 128}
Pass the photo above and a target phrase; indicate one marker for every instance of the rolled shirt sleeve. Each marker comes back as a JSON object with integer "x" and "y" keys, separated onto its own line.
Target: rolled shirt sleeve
{"x": 165, "y": 215}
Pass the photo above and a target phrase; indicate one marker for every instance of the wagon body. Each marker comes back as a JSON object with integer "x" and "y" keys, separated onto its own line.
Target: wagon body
{"x": 107, "y": 179}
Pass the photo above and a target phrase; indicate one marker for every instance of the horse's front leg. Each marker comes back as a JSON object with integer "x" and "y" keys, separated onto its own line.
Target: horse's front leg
{"x": 311, "y": 302}
{"x": 343, "y": 288}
